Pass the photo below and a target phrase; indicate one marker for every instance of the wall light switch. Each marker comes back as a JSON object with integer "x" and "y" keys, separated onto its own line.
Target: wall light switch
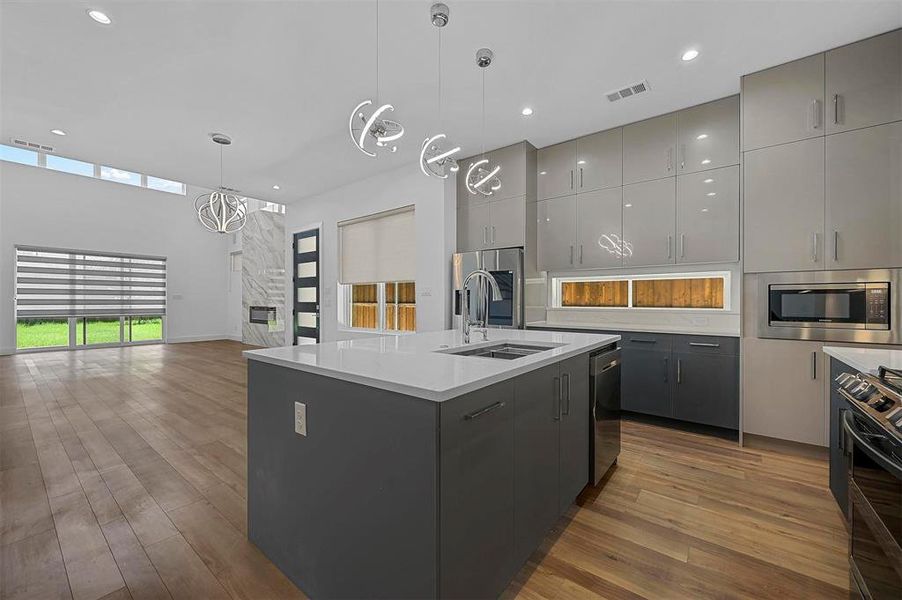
{"x": 300, "y": 418}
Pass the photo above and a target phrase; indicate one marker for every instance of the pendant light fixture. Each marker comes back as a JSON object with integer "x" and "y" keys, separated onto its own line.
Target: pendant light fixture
{"x": 482, "y": 177}
{"x": 437, "y": 154}
{"x": 367, "y": 122}
{"x": 222, "y": 210}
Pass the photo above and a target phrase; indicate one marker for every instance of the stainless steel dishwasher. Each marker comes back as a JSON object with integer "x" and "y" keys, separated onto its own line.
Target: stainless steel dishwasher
{"x": 605, "y": 373}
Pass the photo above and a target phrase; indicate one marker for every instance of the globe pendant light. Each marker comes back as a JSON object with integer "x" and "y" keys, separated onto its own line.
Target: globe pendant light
{"x": 369, "y": 122}
{"x": 482, "y": 176}
{"x": 437, "y": 154}
{"x": 222, "y": 210}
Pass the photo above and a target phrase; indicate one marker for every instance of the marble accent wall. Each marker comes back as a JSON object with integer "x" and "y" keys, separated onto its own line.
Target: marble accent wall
{"x": 263, "y": 276}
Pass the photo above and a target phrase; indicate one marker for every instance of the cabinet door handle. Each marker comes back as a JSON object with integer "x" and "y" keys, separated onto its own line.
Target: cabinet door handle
{"x": 485, "y": 234}
{"x": 666, "y": 370}
{"x": 814, "y": 365}
{"x": 483, "y": 411}
{"x": 835, "y": 109}
{"x": 669, "y": 246}
{"x": 571, "y": 179}
{"x": 566, "y": 376}
{"x": 493, "y": 234}
{"x": 704, "y": 345}
{"x": 571, "y": 254}
{"x": 643, "y": 341}
{"x": 557, "y": 398}
{"x": 814, "y": 247}
{"x": 580, "y": 177}
{"x": 670, "y": 159}
{"x": 682, "y": 156}
{"x": 814, "y": 111}
{"x": 835, "y": 245}
{"x": 682, "y": 245}
{"x": 580, "y": 254}
{"x": 679, "y": 371}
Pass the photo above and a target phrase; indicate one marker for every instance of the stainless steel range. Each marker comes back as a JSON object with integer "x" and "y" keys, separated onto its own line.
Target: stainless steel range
{"x": 872, "y": 437}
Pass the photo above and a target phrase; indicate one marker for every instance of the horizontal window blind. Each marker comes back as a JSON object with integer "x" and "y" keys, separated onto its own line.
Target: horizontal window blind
{"x": 53, "y": 282}
{"x": 378, "y": 248}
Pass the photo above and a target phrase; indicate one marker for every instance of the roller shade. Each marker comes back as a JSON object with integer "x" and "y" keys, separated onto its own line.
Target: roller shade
{"x": 52, "y": 282}
{"x": 378, "y": 248}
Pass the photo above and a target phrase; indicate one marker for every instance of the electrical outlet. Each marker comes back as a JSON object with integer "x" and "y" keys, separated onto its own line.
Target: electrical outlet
{"x": 300, "y": 418}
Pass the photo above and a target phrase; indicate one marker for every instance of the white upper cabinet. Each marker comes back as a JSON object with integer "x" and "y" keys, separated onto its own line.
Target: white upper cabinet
{"x": 864, "y": 83}
{"x": 512, "y": 160}
{"x": 557, "y": 170}
{"x": 556, "y": 233}
{"x": 784, "y": 207}
{"x": 708, "y": 136}
{"x": 708, "y": 216}
{"x": 649, "y": 223}
{"x": 864, "y": 198}
{"x": 649, "y": 149}
{"x": 599, "y": 160}
{"x": 599, "y": 228}
{"x": 783, "y": 104}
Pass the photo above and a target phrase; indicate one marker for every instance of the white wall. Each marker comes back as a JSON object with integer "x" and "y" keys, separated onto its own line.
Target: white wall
{"x": 41, "y": 207}
{"x": 435, "y": 230}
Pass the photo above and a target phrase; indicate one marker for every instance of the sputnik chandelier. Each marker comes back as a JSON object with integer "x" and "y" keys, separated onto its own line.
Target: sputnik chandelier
{"x": 368, "y": 121}
{"x": 222, "y": 210}
{"x": 437, "y": 154}
{"x": 482, "y": 177}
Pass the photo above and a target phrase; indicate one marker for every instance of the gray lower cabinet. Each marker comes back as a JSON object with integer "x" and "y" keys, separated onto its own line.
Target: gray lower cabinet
{"x": 839, "y": 455}
{"x": 703, "y": 385}
{"x": 574, "y": 429}
{"x": 645, "y": 381}
{"x": 477, "y": 493}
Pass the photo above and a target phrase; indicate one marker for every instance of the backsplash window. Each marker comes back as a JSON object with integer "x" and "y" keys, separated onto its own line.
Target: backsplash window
{"x": 683, "y": 291}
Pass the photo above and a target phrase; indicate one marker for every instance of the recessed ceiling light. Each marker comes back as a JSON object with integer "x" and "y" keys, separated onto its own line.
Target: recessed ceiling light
{"x": 526, "y": 111}
{"x": 709, "y": 180}
{"x": 275, "y": 187}
{"x": 57, "y": 132}
{"x": 707, "y": 161}
{"x": 99, "y": 16}
{"x": 690, "y": 54}
{"x": 701, "y": 136}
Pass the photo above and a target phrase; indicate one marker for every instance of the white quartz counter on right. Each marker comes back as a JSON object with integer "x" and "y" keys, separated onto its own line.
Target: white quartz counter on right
{"x": 866, "y": 360}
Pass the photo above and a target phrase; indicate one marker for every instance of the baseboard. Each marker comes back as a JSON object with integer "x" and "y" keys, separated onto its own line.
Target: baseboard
{"x": 197, "y": 338}
{"x": 7, "y": 351}
{"x": 762, "y": 442}
{"x": 234, "y": 338}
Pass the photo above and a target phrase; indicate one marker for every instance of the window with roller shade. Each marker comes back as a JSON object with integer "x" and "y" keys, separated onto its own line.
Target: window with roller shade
{"x": 72, "y": 298}
{"x": 377, "y": 270}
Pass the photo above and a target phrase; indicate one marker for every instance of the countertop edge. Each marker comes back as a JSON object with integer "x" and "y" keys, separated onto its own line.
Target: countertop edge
{"x": 425, "y": 394}
{"x": 856, "y": 359}
{"x": 590, "y": 327}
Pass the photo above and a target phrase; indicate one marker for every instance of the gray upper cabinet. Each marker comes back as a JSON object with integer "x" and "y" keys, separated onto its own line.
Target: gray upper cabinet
{"x": 864, "y": 198}
{"x": 512, "y": 160}
{"x": 649, "y": 223}
{"x": 556, "y": 233}
{"x": 708, "y": 136}
{"x": 599, "y": 228}
{"x": 473, "y": 222}
{"x": 556, "y": 170}
{"x": 599, "y": 160}
{"x": 864, "y": 83}
{"x": 508, "y": 222}
{"x": 784, "y": 207}
{"x": 783, "y": 104}
{"x": 708, "y": 216}
{"x": 649, "y": 149}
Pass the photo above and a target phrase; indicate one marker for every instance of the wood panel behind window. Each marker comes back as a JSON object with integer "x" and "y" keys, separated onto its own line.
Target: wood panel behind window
{"x": 364, "y": 305}
{"x": 595, "y": 293}
{"x": 401, "y": 315}
{"x": 703, "y": 292}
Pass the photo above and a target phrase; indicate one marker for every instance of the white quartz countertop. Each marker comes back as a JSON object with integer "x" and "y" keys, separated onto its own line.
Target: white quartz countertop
{"x": 866, "y": 360}
{"x": 410, "y": 364}
{"x": 637, "y": 328}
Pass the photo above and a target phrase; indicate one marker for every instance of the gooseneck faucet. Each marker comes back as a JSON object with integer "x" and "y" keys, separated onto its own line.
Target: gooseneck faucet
{"x": 482, "y": 277}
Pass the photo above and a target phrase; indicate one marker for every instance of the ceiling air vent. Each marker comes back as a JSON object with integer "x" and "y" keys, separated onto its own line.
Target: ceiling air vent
{"x": 32, "y": 145}
{"x": 626, "y": 92}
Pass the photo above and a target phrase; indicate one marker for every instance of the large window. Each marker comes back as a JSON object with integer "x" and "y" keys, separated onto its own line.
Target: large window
{"x": 69, "y": 298}
{"x": 379, "y": 306}
{"x": 690, "y": 291}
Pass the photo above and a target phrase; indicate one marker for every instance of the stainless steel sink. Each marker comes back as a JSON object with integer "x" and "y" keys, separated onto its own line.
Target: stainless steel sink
{"x": 504, "y": 350}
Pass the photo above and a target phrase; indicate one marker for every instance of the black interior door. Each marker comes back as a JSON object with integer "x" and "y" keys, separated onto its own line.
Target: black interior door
{"x": 306, "y": 287}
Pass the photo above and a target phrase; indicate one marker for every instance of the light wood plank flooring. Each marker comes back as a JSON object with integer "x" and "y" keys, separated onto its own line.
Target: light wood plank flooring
{"x": 122, "y": 475}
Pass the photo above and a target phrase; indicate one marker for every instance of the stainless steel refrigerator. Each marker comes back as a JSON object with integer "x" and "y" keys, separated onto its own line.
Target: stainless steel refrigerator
{"x": 506, "y": 265}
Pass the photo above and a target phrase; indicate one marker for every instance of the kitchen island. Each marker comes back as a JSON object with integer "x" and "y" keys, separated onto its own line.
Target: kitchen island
{"x": 395, "y": 467}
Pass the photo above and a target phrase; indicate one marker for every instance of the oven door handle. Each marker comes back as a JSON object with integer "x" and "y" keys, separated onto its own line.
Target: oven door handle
{"x": 860, "y": 439}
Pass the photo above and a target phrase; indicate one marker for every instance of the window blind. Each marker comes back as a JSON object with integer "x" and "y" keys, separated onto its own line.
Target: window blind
{"x": 378, "y": 248}
{"x": 75, "y": 283}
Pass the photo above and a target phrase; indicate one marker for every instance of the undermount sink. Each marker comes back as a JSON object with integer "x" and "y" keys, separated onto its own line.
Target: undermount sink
{"x": 504, "y": 350}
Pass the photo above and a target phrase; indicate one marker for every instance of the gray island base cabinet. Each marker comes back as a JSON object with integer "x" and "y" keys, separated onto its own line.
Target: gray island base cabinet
{"x": 392, "y": 496}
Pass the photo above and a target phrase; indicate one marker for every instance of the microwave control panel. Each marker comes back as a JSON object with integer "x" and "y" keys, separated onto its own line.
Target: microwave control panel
{"x": 878, "y": 306}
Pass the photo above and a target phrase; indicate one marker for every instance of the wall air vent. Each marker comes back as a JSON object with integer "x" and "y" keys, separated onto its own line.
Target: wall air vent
{"x": 32, "y": 145}
{"x": 626, "y": 92}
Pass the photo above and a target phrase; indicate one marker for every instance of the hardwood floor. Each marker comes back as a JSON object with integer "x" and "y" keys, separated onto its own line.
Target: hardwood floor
{"x": 122, "y": 475}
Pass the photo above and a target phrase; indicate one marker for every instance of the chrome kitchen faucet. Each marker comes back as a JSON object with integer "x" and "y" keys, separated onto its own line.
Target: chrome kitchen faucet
{"x": 482, "y": 278}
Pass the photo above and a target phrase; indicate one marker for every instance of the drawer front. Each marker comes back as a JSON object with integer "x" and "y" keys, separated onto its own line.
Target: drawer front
{"x": 659, "y": 342}
{"x": 706, "y": 344}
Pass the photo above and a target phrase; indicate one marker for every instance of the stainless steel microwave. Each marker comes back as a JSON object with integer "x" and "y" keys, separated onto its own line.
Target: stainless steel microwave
{"x": 845, "y": 306}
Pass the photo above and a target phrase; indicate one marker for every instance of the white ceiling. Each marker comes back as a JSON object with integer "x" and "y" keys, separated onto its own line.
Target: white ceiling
{"x": 281, "y": 77}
